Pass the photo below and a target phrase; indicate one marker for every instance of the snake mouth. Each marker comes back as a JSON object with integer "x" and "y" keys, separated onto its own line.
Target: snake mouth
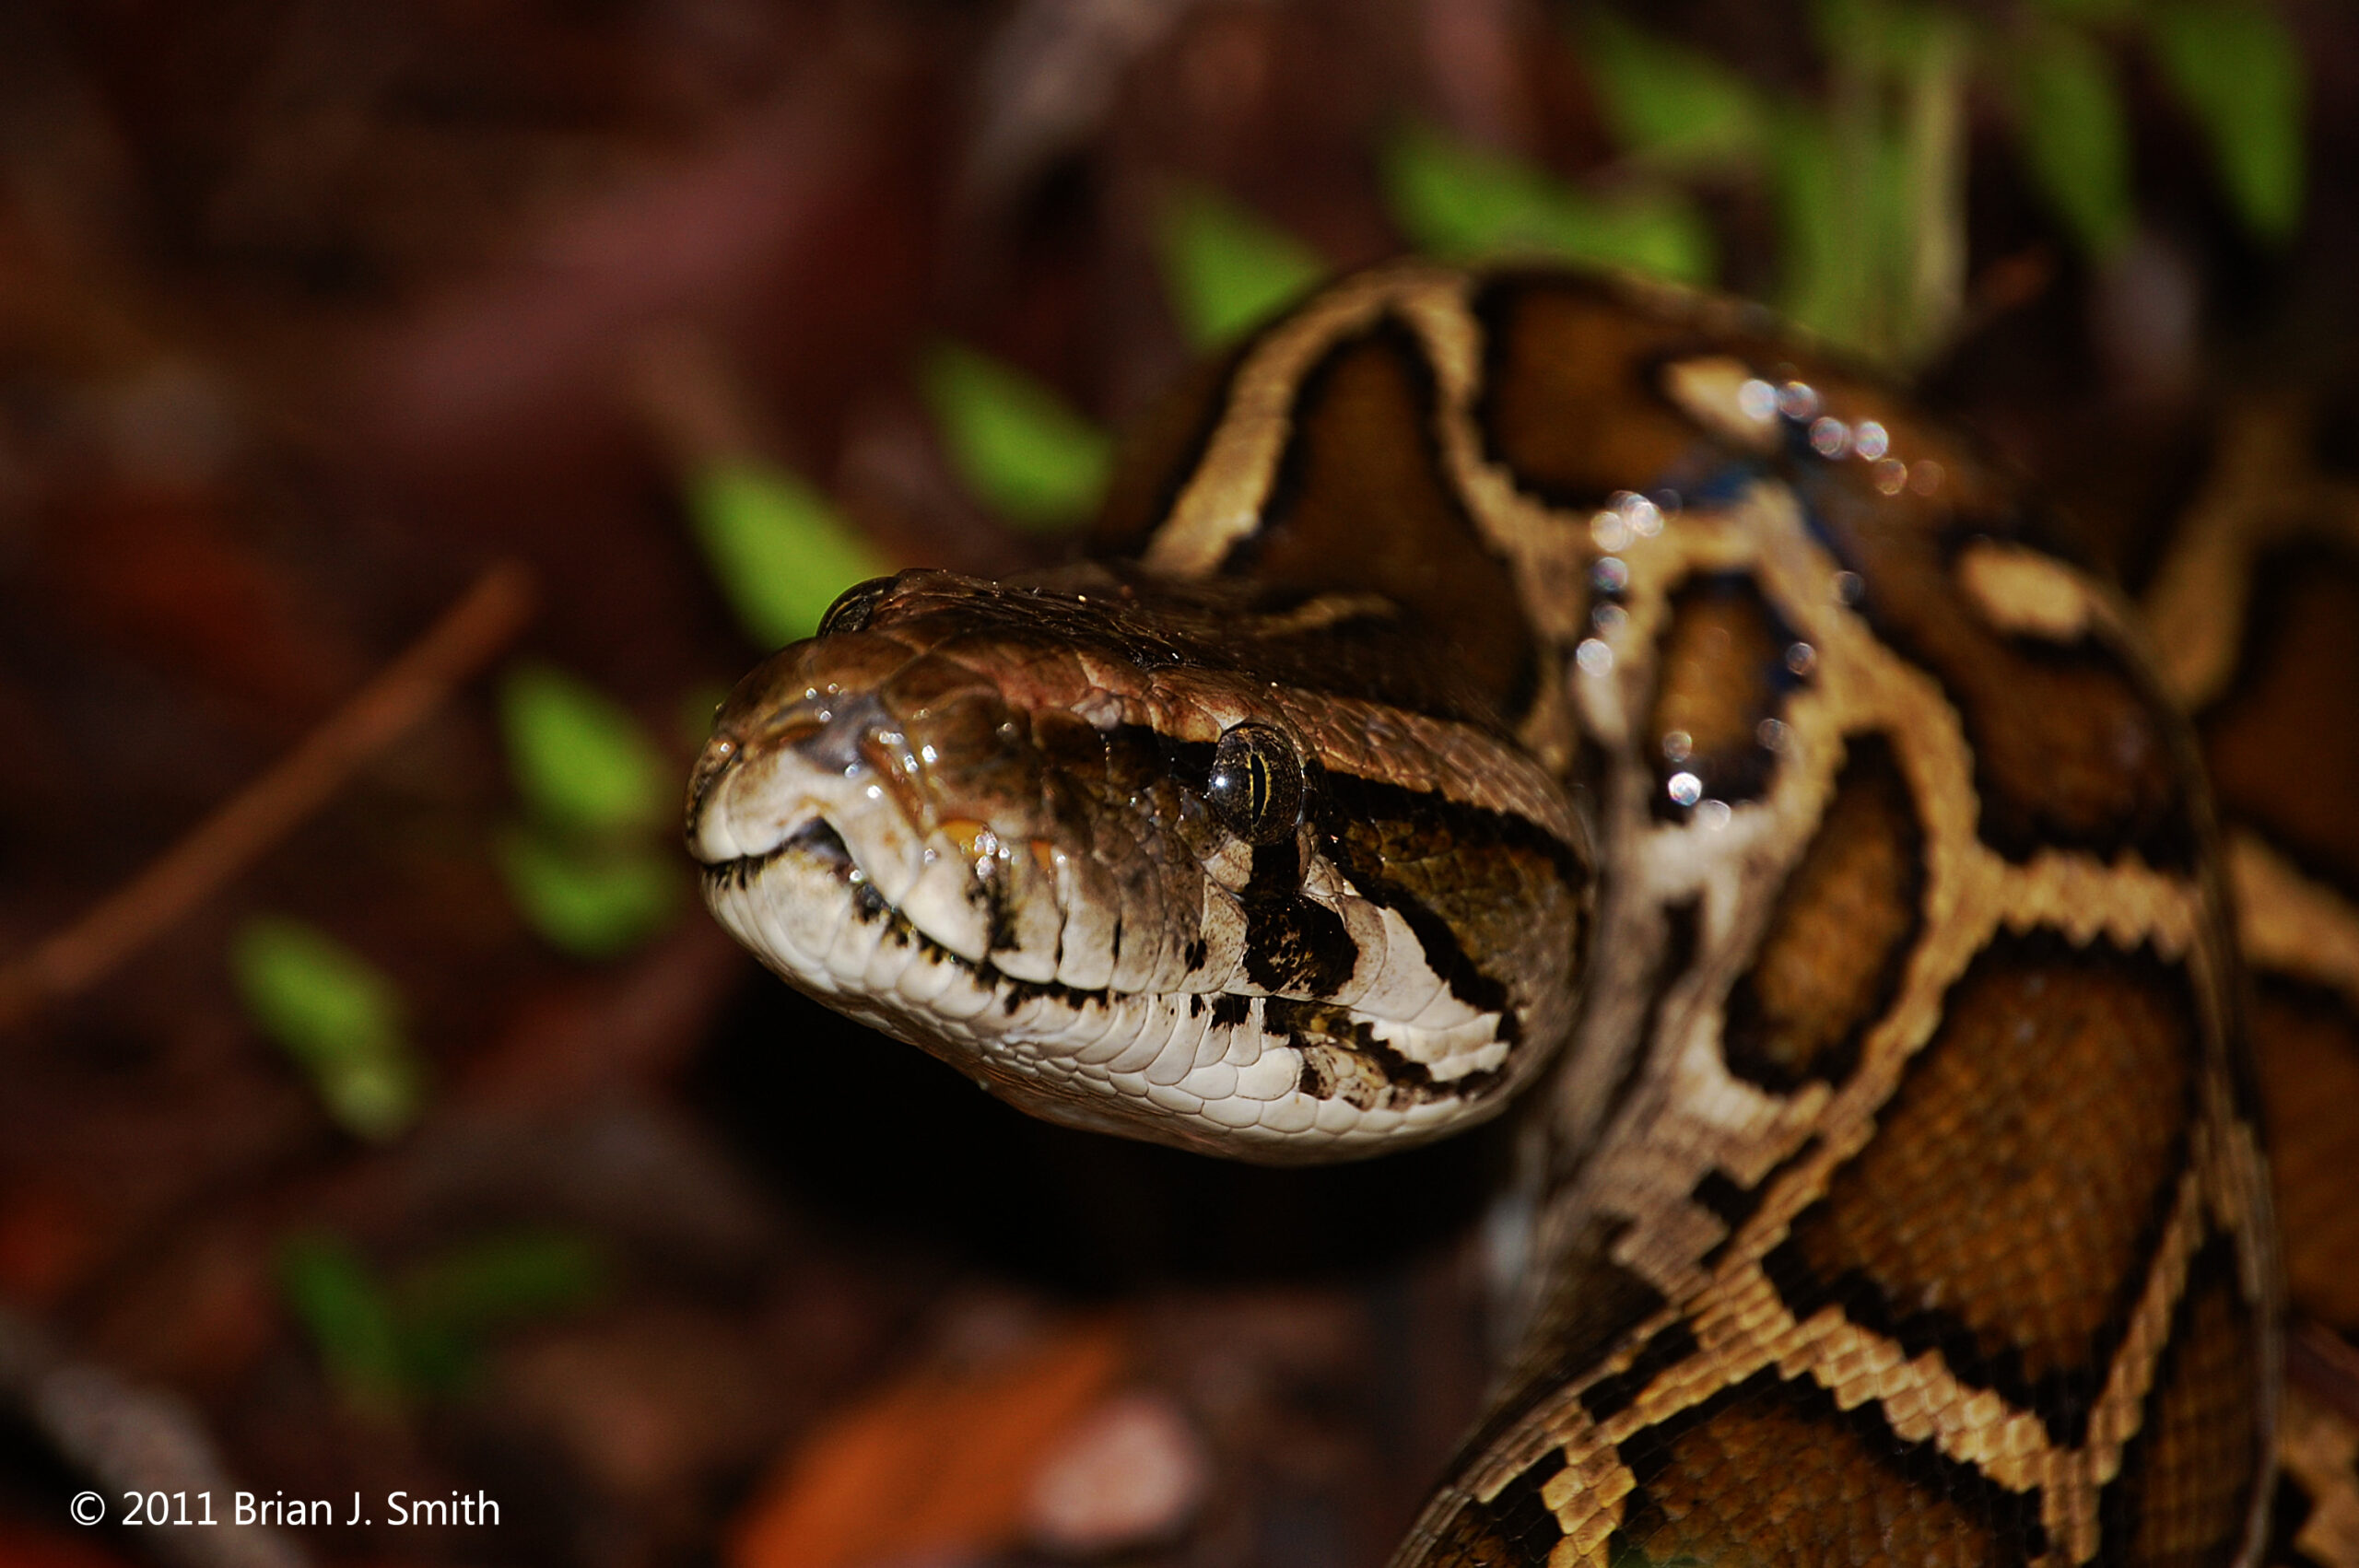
{"x": 1215, "y": 1071}
{"x": 1191, "y": 1057}
{"x": 851, "y": 894}
{"x": 816, "y": 850}
{"x": 818, "y": 854}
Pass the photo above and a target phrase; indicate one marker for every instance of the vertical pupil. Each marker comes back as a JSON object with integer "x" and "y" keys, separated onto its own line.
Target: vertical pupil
{"x": 1255, "y": 783}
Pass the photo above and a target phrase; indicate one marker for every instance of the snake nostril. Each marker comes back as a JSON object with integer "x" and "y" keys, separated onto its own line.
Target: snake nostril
{"x": 835, "y": 738}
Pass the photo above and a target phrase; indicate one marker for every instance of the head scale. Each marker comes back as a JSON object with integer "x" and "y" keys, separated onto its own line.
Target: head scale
{"x": 1213, "y": 866}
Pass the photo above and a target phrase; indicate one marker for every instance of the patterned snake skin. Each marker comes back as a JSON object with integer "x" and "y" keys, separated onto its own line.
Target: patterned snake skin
{"x": 1523, "y": 679}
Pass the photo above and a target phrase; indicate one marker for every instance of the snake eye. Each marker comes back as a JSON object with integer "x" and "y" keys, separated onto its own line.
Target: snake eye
{"x": 1255, "y": 787}
{"x": 852, "y": 607}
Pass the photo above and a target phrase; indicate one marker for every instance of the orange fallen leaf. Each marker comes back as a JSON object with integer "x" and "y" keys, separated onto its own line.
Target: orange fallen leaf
{"x": 937, "y": 1464}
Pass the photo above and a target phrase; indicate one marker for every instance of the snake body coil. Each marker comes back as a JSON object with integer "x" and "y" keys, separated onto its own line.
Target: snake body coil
{"x": 1520, "y": 679}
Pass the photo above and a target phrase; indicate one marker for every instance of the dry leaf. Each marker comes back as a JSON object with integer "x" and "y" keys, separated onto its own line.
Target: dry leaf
{"x": 935, "y": 1466}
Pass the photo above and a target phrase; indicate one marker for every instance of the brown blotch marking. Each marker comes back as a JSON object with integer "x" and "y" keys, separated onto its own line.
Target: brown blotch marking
{"x": 2069, "y": 750}
{"x": 1360, "y": 502}
{"x": 2186, "y": 1484}
{"x": 1722, "y": 657}
{"x": 2007, "y": 1208}
{"x": 1568, "y": 403}
{"x": 2282, "y": 743}
{"x": 1773, "y": 1476}
{"x": 1838, "y": 941}
{"x": 2307, "y": 1043}
{"x": 2073, "y": 747}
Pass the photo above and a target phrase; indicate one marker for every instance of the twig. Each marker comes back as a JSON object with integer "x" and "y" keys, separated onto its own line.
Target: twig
{"x": 220, "y": 847}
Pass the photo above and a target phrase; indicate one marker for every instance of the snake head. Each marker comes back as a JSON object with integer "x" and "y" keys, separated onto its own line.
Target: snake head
{"x": 1212, "y": 867}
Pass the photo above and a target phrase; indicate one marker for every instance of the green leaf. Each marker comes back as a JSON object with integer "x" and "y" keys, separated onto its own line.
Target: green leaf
{"x": 2238, "y": 70}
{"x": 500, "y": 1280}
{"x": 1820, "y": 277}
{"x": 580, "y": 761}
{"x": 336, "y": 1016}
{"x": 1865, "y": 253}
{"x": 448, "y": 1304}
{"x": 349, "y": 1318}
{"x": 1018, "y": 446}
{"x": 1929, "y": 173}
{"x": 777, "y": 547}
{"x": 381, "y": 1348}
{"x": 585, "y": 870}
{"x": 2075, "y": 137}
{"x": 593, "y": 898}
{"x": 1225, "y": 269}
{"x": 1667, "y": 103}
{"x": 1868, "y": 186}
{"x": 1456, "y": 200}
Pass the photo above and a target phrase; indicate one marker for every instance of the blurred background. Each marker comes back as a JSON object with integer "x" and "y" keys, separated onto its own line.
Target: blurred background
{"x": 414, "y": 416}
